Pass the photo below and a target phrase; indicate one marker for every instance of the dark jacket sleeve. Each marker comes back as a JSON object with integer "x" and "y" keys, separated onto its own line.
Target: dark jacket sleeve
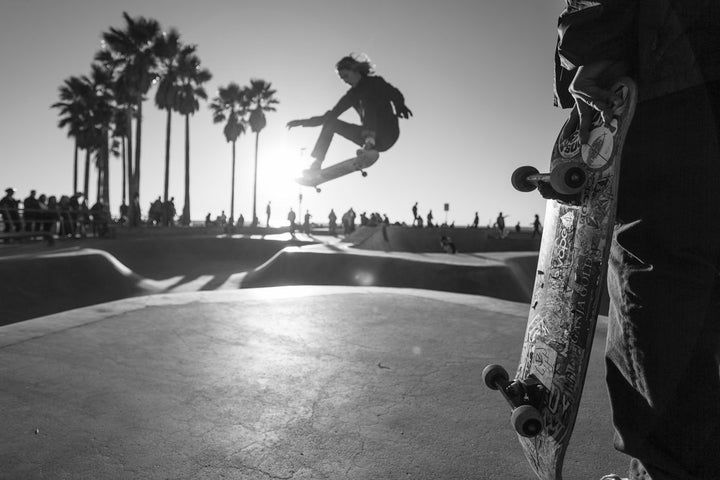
{"x": 590, "y": 31}
{"x": 345, "y": 102}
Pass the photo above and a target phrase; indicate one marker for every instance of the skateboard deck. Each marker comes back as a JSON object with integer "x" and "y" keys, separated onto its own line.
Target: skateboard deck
{"x": 362, "y": 160}
{"x": 572, "y": 266}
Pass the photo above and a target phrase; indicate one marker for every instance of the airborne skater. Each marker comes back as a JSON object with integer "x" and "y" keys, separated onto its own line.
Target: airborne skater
{"x": 378, "y": 103}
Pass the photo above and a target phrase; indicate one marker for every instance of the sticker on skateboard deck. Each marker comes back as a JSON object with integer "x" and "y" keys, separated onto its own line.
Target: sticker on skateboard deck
{"x": 360, "y": 162}
{"x": 572, "y": 265}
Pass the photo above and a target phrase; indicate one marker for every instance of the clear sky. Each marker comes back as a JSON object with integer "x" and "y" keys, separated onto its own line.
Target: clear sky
{"x": 477, "y": 75}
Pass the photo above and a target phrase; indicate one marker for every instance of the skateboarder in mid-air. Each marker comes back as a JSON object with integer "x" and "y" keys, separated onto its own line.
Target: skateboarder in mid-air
{"x": 378, "y": 103}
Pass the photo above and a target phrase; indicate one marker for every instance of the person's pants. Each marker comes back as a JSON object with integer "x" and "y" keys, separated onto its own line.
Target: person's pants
{"x": 663, "y": 344}
{"x": 354, "y": 133}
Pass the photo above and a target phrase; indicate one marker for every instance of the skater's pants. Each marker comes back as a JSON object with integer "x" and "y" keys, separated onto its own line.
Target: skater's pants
{"x": 354, "y": 133}
{"x": 664, "y": 332}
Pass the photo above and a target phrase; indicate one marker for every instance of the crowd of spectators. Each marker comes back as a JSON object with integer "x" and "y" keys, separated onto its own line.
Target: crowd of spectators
{"x": 66, "y": 216}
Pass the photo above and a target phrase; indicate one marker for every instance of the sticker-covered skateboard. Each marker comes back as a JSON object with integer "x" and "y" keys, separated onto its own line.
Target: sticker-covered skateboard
{"x": 361, "y": 161}
{"x": 582, "y": 186}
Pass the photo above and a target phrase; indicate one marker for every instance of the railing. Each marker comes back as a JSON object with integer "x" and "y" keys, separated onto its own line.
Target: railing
{"x": 51, "y": 223}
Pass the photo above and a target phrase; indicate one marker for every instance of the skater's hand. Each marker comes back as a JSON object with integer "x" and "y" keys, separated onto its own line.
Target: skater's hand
{"x": 590, "y": 93}
{"x": 295, "y": 123}
{"x": 402, "y": 111}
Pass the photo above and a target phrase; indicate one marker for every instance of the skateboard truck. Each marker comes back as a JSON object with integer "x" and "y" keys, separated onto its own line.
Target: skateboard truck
{"x": 524, "y": 396}
{"x": 564, "y": 182}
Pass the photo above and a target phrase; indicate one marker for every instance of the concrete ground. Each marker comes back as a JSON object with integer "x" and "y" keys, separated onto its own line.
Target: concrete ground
{"x": 301, "y": 382}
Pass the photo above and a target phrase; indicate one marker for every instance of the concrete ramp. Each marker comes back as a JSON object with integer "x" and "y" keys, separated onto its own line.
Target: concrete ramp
{"x": 504, "y": 276}
{"x": 46, "y": 282}
{"x": 299, "y": 383}
{"x": 427, "y": 240}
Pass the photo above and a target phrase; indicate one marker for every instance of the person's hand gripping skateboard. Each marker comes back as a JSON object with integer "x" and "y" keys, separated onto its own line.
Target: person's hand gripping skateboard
{"x": 590, "y": 90}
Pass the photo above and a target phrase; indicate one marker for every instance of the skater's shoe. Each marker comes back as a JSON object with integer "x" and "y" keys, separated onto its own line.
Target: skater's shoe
{"x": 314, "y": 167}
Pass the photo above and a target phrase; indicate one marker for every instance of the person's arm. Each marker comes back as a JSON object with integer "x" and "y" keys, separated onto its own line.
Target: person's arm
{"x": 340, "y": 107}
{"x": 398, "y": 100}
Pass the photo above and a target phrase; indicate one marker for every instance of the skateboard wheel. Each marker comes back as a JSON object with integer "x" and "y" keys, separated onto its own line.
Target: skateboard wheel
{"x": 520, "y": 180}
{"x": 527, "y": 421}
{"x": 364, "y": 174}
{"x": 318, "y": 189}
{"x": 568, "y": 178}
{"x": 494, "y": 374}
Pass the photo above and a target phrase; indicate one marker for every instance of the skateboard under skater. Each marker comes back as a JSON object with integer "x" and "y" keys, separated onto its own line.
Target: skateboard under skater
{"x": 582, "y": 186}
{"x": 360, "y": 162}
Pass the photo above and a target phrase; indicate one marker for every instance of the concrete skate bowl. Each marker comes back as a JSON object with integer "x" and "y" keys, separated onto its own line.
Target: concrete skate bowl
{"x": 427, "y": 240}
{"x": 99, "y": 271}
{"x": 505, "y": 277}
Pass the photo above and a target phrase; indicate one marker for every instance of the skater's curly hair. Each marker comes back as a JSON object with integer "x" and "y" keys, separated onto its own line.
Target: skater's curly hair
{"x": 357, "y": 62}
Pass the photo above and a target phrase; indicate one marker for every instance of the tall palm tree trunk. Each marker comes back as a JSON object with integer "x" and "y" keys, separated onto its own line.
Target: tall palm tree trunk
{"x": 130, "y": 175}
{"x": 124, "y": 170}
{"x": 255, "y": 219}
{"x": 75, "y": 167}
{"x": 136, "y": 172}
{"x": 232, "y": 189}
{"x": 106, "y": 168}
{"x": 166, "y": 219}
{"x": 86, "y": 186}
{"x": 186, "y": 206}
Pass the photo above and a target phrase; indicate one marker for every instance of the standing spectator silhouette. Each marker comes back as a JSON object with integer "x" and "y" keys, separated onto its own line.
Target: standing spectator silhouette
{"x": 332, "y": 222}
{"x": 306, "y": 223}
{"x": 268, "y": 211}
{"x": 415, "y": 214}
{"x": 430, "y": 219}
{"x": 9, "y": 209}
{"x": 43, "y": 221}
{"x": 476, "y": 220}
{"x": 291, "y": 218}
{"x": 124, "y": 210}
{"x": 536, "y": 227}
{"x": 31, "y": 209}
{"x": 100, "y": 219}
{"x": 53, "y": 214}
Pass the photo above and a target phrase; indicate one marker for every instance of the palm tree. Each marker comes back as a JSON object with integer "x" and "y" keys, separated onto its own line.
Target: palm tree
{"x": 130, "y": 53}
{"x": 103, "y": 112}
{"x": 86, "y": 103}
{"x": 169, "y": 51}
{"x": 191, "y": 78}
{"x": 262, "y": 99}
{"x": 231, "y": 106}
{"x": 121, "y": 134}
{"x": 71, "y": 110}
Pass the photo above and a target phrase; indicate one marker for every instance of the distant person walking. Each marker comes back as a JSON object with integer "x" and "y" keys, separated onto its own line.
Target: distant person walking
{"x": 291, "y": 218}
{"x": 500, "y": 224}
{"x": 536, "y": 227}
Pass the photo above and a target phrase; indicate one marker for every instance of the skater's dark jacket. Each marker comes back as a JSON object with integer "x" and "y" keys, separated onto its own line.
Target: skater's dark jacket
{"x": 376, "y": 101}
{"x": 670, "y": 44}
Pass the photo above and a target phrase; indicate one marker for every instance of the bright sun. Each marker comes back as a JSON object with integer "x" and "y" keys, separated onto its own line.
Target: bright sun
{"x": 282, "y": 164}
